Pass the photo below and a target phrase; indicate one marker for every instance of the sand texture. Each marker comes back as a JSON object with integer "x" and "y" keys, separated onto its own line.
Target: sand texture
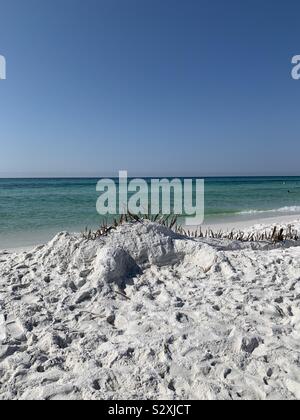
{"x": 145, "y": 313}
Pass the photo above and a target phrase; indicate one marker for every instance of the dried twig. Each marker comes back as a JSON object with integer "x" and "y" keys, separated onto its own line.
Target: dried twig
{"x": 169, "y": 221}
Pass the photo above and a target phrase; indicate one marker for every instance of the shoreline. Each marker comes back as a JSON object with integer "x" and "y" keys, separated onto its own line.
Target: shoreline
{"x": 240, "y": 224}
{"x": 225, "y": 224}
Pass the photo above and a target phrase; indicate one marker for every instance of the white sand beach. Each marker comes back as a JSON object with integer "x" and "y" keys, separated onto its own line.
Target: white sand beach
{"x": 146, "y": 313}
{"x": 255, "y": 223}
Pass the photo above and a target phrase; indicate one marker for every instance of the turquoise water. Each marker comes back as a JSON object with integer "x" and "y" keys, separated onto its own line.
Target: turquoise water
{"x": 33, "y": 210}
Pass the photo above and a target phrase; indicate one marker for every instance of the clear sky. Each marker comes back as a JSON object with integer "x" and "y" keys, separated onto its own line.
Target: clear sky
{"x": 157, "y": 87}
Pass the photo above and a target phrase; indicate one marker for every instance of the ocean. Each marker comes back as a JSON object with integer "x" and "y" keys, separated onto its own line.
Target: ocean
{"x": 32, "y": 211}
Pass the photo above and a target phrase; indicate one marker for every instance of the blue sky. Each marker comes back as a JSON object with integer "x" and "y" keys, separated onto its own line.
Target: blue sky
{"x": 156, "y": 87}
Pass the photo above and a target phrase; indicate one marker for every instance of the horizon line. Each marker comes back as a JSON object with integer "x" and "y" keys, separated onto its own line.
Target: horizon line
{"x": 147, "y": 176}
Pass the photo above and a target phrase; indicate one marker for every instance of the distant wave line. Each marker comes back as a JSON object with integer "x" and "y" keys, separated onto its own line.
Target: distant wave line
{"x": 287, "y": 209}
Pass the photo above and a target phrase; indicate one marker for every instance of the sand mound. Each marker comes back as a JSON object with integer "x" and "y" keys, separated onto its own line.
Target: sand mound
{"x": 145, "y": 313}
